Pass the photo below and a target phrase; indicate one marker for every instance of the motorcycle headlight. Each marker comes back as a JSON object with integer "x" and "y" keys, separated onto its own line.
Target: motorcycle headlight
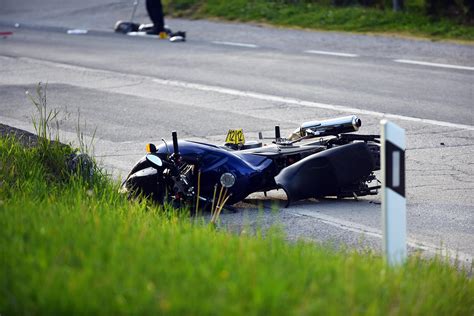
{"x": 227, "y": 180}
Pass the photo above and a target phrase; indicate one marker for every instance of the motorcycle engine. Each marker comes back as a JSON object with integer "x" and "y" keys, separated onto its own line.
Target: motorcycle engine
{"x": 183, "y": 183}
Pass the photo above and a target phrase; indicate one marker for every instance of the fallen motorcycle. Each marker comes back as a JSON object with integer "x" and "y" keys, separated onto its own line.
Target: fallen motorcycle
{"x": 320, "y": 159}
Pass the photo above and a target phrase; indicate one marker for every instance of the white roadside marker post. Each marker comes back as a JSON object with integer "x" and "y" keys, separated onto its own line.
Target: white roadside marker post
{"x": 393, "y": 192}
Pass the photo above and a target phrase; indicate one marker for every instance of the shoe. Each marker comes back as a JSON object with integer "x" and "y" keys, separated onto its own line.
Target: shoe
{"x": 125, "y": 27}
{"x": 151, "y": 32}
{"x": 179, "y": 36}
{"x": 145, "y": 27}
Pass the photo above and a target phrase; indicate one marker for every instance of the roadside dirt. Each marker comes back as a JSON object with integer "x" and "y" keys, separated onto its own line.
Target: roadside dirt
{"x": 25, "y": 138}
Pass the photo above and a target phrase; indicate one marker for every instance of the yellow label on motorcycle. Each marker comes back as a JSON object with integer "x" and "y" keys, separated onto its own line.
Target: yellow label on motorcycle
{"x": 235, "y": 136}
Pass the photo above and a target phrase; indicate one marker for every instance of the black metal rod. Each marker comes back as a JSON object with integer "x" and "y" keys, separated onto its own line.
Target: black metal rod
{"x": 277, "y": 132}
{"x": 175, "y": 142}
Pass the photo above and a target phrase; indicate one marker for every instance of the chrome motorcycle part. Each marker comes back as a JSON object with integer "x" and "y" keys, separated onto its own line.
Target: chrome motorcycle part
{"x": 346, "y": 124}
{"x": 227, "y": 180}
{"x": 183, "y": 189}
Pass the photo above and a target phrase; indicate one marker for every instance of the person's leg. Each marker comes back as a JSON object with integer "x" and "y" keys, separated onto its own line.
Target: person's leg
{"x": 155, "y": 11}
{"x": 150, "y": 11}
{"x": 160, "y": 20}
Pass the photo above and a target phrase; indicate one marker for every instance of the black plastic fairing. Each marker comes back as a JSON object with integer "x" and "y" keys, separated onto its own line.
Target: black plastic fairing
{"x": 146, "y": 182}
{"x": 325, "y": 173}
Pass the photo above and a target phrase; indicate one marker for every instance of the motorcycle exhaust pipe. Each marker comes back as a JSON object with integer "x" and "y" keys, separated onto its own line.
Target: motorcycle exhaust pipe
{"x": 346, "y": 124}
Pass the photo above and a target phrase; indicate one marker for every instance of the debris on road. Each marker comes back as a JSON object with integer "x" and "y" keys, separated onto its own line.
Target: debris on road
{"x": 76, "y": 32}
{"x": 5, "y": 34}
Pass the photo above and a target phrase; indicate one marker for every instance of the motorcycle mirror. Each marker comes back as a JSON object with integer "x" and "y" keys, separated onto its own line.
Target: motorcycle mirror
{"x": 154, "y": 160}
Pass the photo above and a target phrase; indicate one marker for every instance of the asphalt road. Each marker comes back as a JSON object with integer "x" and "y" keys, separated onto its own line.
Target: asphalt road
{"x": 227, "y": 75}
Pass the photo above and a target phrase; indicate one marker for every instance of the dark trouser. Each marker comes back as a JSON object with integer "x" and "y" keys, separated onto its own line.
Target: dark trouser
{"x": 155, "y": 11}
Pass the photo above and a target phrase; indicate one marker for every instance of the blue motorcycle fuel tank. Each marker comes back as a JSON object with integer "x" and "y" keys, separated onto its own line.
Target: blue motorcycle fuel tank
{"x": 252, "y": 172}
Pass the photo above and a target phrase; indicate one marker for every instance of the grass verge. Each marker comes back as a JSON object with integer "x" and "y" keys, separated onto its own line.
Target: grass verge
{"x": 311, "y": 15}
{"x": 70, "y": 246}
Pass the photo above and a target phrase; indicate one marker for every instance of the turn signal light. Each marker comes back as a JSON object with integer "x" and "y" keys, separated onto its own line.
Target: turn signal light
{"x": 150, "y": 148}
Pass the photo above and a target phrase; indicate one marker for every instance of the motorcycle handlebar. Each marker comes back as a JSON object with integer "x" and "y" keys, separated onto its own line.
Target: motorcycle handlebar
{"x": 277, "y": 132}
{"x": 175, "y": 142}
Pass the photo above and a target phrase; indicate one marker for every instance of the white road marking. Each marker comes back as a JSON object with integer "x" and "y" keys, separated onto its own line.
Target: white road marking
{"x": 235, "y": 44}
{"x": 423, "y": 63}
{"x": 279, "y": 99}
{"x": 253, "y": 95}
{"x": 373, "y": 232}
{"x": 320, "y": 52}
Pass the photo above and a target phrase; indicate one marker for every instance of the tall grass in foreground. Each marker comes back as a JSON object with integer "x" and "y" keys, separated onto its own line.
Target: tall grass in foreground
{"x": 76, "y": 247}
